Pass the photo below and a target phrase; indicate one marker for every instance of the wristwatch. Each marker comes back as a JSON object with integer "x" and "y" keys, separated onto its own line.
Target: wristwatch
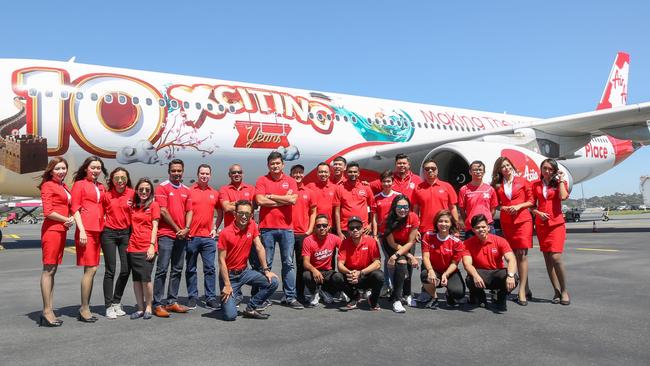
{"x": 511, "y": 275}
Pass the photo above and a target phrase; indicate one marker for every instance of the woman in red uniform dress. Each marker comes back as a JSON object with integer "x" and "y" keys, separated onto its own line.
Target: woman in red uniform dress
{"x": 549, "y": 192}
{"x": 56, "y": 210}
{"x": 88, "y": 214}
{"x": 143, "y": 245}
{"x": 515, "y": 198}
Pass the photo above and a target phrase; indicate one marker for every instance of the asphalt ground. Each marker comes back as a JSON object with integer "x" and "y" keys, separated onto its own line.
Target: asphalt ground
{"x": 608, "y": 321}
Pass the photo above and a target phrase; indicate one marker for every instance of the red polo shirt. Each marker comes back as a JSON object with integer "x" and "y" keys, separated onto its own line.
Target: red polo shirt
{"x": 324, "y": 197}
{"x": 231, "y": 193}
{"x": 432, "y": 198}
{"x": 476, "y": 200}
{"x": 300, "y": 211}
{"x": 87, "y": 199}
{"x": 237, "y": 243}
{"x": 117, "y": 208}
{"x": 488, "y": 255}
{"x": 355, "y": 200}
{"x": 358, "y": 257}
{"x": 382, "y": 204}
{"x": 177, "y": 202}
{"x": 204, "y": 202}
{"x": 276, "y": 217}
{"x": 401, "y": 234}
{"x": 442, "y": 252}
{"x": 142, "y": 219}
{"x": 320, "y": 252}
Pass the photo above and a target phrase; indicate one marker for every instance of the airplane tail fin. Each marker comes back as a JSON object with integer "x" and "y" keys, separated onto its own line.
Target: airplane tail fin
{"x": 615, "y": 93}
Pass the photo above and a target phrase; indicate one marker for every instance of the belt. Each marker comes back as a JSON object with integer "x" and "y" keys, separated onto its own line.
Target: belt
{"x": 235, "y": 272}
{"x": 118, "y": 230}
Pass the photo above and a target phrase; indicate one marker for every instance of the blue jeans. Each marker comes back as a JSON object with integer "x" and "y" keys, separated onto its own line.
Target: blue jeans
{"x": 170, "y": 251}
{"x": 284, "y": 238}
{"x": 207, "y": 247}
{"x": 248, "y": 277}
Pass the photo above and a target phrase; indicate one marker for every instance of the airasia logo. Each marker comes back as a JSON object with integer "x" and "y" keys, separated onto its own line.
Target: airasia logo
{"x": 526, "y": 167}
{"x": 95, "y": 109}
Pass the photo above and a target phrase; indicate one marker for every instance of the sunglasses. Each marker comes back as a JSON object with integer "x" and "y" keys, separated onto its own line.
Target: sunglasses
{"x": 241, "y": 213}
{"x": 321, "y": 226}
{"x": 430, "y": 168}
{"x": 354, "y": 228}
{"x": 144, "y": 189}
{"x": 119, "y": 179}
{"x": 402, "y": 207}
{"x": 235, "y": 172}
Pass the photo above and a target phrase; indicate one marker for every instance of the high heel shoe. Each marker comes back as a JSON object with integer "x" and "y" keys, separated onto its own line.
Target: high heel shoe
{"x": 44, "y": 322}
{"x": 91, "y": 319}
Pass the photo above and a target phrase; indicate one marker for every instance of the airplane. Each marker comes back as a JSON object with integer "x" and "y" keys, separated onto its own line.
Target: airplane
{"x": 141, "y": 120}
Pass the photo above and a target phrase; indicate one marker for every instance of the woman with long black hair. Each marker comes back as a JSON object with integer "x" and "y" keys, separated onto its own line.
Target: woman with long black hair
{"x": 88, "y": 211}
{"x": 549, "y": 192}
{"x": 115, "y": 238}
{"x": 400, "y": 233}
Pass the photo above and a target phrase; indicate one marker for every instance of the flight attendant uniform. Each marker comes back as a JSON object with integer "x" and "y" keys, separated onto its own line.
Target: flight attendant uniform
{"x": 552, "y": 232}
{"x": 87, "y": 199}
{"x": 517, "y": 228}
{"x": 56, "y": 198}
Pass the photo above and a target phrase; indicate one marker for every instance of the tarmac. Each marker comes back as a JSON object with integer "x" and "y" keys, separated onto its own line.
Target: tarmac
{"x": 608, "y": 321}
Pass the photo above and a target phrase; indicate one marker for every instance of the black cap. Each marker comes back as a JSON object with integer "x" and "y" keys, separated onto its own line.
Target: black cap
{"x": 353, "y": 219}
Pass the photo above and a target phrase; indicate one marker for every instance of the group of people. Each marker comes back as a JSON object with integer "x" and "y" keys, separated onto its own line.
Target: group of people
{"x": 336, "y": 227}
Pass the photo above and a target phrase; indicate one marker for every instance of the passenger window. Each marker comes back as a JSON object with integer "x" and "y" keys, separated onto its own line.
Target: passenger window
{"x": 186, "y": 105}
{"x": 337, "y": 117}
{"x": 149, "y": 101}
{"x": 161, "y": 102}
{"x": 419, "y": 125}
{"x": 354, "y": 119}
{"x": 94, "y": 97}
{"x": 65, "y": 94}
{"x": 173, "y": 103}
{"x": 221, "y": 108}
{"x": 121, "y": 99}
{"x": 135, "y": 100}
{"x": 108, "y": 98}
{"x": 345, "y": 118}
{"x": 210, "y": 108}
{"x": 33, "y": 92}
{"x": 198, "y": 105}
{"x": 48, "y": 94}
{"x": 79, "y": 95}
{"x": 329, "y": 117}
{"x": 231, "y": 109}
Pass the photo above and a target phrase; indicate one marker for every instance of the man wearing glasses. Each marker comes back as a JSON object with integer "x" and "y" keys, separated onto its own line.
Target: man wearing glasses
{"x": 433, "y": 195}
{"x": 276, "y": 193}
{"x": 360, "y": 262}
{"x": 476, "y": 197}
{"x": 318, "y": 250}
{"x": 203, "y": 231}
{"x": 236, "y": 190}
{"x": 235, "y": 244}
{"x": 173, "y": 231}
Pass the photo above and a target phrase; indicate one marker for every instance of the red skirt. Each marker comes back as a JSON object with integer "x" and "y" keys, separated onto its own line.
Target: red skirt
{"x": 519, "y": 236}
{"x": 551, "y": 238}
{"x": 52, "y": 246}
{"x": 88, "y": 255}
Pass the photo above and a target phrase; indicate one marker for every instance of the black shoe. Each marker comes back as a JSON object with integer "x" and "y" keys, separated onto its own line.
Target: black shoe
{"x": 91, "y": 319}
{"x": 521, "y": 302}
{"x": 213, "y": 304}
{"x": 351, "y": 305}
{"x": 265, "y": 305}
{"x": 43, "y": 322}
{"x": 529, "y": 295}
{"x": 433, "y": 304}
{"x": 295, "y": 304}
{"x": 191, "y": 303}
{"x": 254, "y": 314}
{"x": 451, "y": 301}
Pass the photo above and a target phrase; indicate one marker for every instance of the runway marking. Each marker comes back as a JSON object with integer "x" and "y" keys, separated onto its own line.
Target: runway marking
{"x": 13, "y": 236}
{"x": 598, "y": 250}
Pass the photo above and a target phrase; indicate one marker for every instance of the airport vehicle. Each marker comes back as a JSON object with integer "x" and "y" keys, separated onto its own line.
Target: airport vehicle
{"x": 142, "y": 120}
{"x": 586, "y": 214}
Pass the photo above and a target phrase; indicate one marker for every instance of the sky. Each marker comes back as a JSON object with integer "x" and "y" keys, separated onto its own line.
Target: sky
{"x": 544, "y": 59}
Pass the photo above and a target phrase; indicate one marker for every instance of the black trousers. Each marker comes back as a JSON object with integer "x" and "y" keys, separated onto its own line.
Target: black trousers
{"x": 300, "y": 285}
{"x": 455, "y": 283}
{"x": 333, "y": 281}
{"x": 115, "y": 241}
{"x": 494, "y": 279}
{"x": 373, "y": 281}
{"x": 402, "y": 273}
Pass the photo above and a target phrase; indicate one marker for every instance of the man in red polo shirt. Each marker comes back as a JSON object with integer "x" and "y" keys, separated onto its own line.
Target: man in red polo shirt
{"x": 359, "y": 262}
{"x": 303, "y": 217}
{"x": 483, "y": 261}
{"x": 476, "y": 197}
{"x": 203, "y": 231}
{"x": 324, "y": 191}
{"x": 353, "y": 198}
{"x": 339, "y": 165}
{"x": 318, "y": 250}
{"x": 404, "y": 181}
{"x": 234, "y": 191}
{"x": 235, "y": 244}
{"x": 433, "y": 195}
{"x": 176, "y": 217}
{"x": 276, "y": 193}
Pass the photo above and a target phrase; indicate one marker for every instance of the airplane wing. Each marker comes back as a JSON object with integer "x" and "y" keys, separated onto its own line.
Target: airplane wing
{"x": 629, "y": 122}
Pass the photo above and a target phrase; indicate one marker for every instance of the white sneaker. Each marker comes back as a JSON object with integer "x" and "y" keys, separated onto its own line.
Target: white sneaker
{"x": 110, "y": 313}
{"x": 409, "y": 301}
{"x": 118, "y": 310}
{"x": 326, "y": 296}
{"x": 398, "y": 307}
{"x": 314, "y": 300}
{"x": 345, "y": 297}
